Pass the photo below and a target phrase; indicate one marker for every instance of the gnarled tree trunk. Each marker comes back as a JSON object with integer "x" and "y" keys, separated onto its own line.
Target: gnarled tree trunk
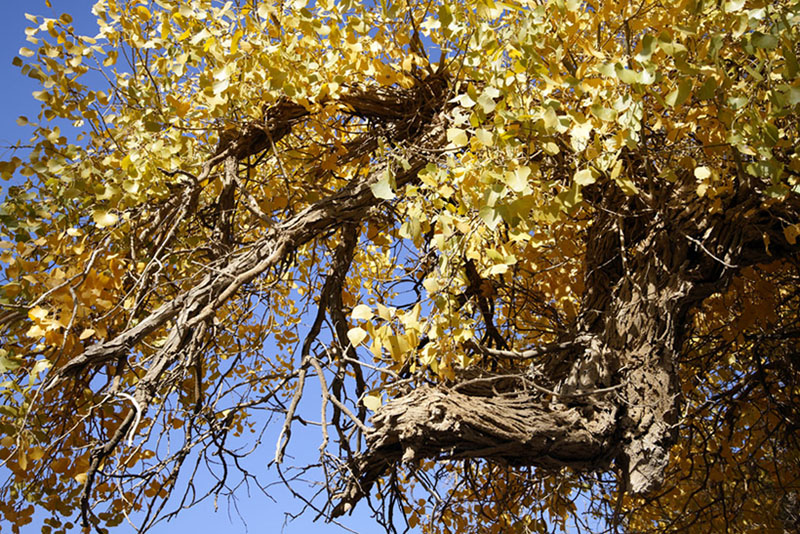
{"x": 613, "y": 389}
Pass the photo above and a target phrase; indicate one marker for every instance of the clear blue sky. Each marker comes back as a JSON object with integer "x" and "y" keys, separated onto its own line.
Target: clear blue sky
{"x": 260, "y": 513}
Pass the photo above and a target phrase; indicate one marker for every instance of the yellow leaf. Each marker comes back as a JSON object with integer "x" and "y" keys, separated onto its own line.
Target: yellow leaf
{"x": 383, "y": 188}
{"x": 235, "y": 40}
{"x": 373, "y": 400}
{"x": 457, "y": 136}
{"x": 35, "y": 331}
{"x": 616, "y": 170}
{"x": 551, "y": 148}
{"x": 398, "y": 347}
{"x": 143, "y": 12}
{"x": 385, "y": 313}
{"x": 356, "y": 335}
{"x": 103, "y": 218}
{"x": 791, "y": 233}
{"x": 550, "y": 119}
{"x": 37, "y": 314}
{"x": 518, "y": 180}
{"x": 80, "y": 478}
{"x": 89, "y": 332}
{"x": 36, "y": 453}
{"x": 585, "y": 177}
{"x": 701, "y": 173}
{"x": 130, "y": 186}
{"x": 362, "y": 311}
{"x": 484, "y": 136}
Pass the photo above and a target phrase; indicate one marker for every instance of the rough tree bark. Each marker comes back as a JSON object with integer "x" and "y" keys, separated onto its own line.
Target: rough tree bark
{"x": 415, "y": 118}
{"x": 606, "y": 392}
{"x": 612, "y": 392}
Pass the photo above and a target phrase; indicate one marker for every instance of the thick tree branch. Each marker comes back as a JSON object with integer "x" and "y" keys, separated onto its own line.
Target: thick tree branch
{"x": 619, "y": 396}
{"x": 198, "y": 304}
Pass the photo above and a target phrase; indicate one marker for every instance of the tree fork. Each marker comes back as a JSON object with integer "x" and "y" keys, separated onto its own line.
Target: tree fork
{"x": 337, "y": 210}
{"x": 620, "y": 397}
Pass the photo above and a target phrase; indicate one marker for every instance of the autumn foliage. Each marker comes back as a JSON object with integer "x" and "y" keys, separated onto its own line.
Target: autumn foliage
{"x": 528, "y": 264}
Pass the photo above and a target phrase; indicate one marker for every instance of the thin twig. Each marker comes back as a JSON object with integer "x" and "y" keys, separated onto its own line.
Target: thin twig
{"x": 286, "y": 431}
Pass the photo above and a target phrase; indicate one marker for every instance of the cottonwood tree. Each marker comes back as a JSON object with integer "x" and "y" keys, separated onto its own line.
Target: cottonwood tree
{"x": 509, "y": 254}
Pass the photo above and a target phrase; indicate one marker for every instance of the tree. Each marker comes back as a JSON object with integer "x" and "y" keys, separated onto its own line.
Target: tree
{"x": 526, "y": 252}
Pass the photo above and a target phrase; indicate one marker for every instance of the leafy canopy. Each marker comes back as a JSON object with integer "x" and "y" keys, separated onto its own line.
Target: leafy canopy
{"x": 223, "y": 203}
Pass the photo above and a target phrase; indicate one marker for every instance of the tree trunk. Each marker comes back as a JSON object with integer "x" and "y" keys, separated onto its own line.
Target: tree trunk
{"x": 617, "y": 392}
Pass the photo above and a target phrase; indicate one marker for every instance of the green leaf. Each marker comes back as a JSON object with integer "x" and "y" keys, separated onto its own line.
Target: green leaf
{"x": 647, "y": 77}
{"x": 737, "y": 102}
{"x": 648, "y": 47}
{"x": 763, "y": 40}
{"x": 627, "y": 75}
{"x": 764, "y": 169}
{"x": 793, "y": 95}
{"x": 6, "y": 363}
{"x": 791, "y": 67}
{"x": 679, "y": 95}
{"x": 777, "y": 191}
{"x": 445, "y": 18}
{"x": 669, "y": 46}
{"x": 708, "y": 89}
{"x": 570, "y": 198}
{"x": 603, "y": 113}
{"x": 608, "y": 69}
{"x": 771, "y": 134}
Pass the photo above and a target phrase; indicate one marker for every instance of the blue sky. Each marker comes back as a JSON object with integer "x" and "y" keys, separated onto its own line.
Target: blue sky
{"x": 260, "y": 513}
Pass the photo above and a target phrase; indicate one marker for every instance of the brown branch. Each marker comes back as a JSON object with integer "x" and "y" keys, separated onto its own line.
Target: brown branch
{"x": 618, "y": 398}
{"x": 200, "y": 302}
{"x": 446, "y": 424}
{"x": 286, "y": 431}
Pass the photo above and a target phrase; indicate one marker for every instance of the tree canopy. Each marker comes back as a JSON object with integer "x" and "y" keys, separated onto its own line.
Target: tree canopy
{"x": 510, "y": 254}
